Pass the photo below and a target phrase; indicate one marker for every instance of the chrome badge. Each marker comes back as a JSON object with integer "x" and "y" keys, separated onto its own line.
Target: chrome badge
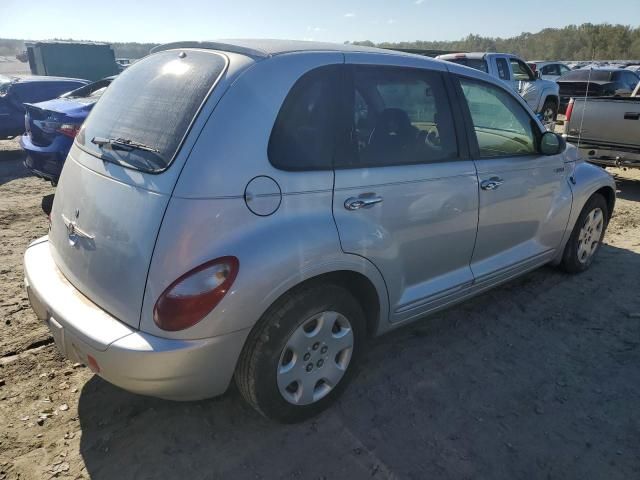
{"x": 73, "y": 231}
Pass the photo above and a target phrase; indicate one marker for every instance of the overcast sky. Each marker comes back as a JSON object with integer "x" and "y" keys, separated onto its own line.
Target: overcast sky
{"x": 331, "y": 20}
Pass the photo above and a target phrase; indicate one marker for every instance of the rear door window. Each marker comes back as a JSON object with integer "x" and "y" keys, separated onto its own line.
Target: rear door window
{"x": 150, "y": 107}
{"x": 477, "y": 63}
{"x": 401, "y": 116}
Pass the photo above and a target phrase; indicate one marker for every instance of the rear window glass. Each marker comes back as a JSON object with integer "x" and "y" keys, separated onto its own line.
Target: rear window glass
{"x": 588, "y": 74}
{"x": 88, "y": 90}
{"x": 477, "y": 63}
{"x": 304, "y": 134}
{"x": 142, "y": 117}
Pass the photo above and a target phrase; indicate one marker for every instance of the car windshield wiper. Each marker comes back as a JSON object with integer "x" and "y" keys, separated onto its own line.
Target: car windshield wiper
{"x": 123, "y": 144}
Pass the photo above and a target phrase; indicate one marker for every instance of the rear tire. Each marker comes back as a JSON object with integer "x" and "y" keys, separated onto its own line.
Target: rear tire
{"x": 587, "y": 235}
{"x": 283, "y": 356}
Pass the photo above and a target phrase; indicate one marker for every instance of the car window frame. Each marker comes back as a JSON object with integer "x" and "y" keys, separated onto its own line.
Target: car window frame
{"x": 338, "y": 128}
{"x": 187, "y": 133}
{"x": 532, "y": 76}
{"x": 348, "y": 91}
{"x": 507, "y": 68}
{"x": 474, "y": 147}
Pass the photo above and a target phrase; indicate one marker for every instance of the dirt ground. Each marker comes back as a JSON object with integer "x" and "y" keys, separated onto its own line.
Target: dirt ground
{"x": 537, "y": 379}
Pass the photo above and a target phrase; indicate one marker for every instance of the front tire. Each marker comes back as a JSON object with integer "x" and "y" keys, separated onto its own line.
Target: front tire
{"x": 586, "y": 236}
{"x": 302, "y": 353}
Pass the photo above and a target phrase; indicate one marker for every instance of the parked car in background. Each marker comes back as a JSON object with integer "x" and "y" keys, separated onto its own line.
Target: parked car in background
{"x": 16, "y": 91}
{"x": 634, "y": 68}
{"x": 541, "y": 95}
{"x": 123, "y": 63}
{"x": 606, "y": 129}
{"x": 596, "y": 82}
{"x": 548, "y": 70}
{"x": 204, "y": 233}
{"x": 51, "y": 127}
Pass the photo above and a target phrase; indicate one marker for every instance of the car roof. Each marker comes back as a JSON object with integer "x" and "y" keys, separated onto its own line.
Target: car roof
{"x": 264, "y": 48}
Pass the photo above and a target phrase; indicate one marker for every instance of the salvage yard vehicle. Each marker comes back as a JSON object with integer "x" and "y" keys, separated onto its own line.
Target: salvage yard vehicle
{"x": 541, "y": 95}
{"x": 548, "y": 70}
{"x": 204, "y": 229}
{"x": 16, "y": 91}
{"x": 606, "y": 129}
{"x": 51, "y": 127}
{"x": 596, "y": 82}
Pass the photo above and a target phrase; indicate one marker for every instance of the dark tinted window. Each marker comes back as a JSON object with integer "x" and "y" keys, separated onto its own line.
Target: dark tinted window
{"x": 552, "y": 69}
{"x": 503, "y": 68}
{"x": 303, "y": 137}
{"x": 586, "y": 74}
{"x": 401, "y": 116}
{"x": 87, "y": 90}
{"x": 477, "y": 63}
{"x": 152, "y": 103}
{"x": 502, "y": 126}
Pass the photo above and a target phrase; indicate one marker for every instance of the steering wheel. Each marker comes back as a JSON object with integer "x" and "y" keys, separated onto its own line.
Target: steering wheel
{"x": 433, "y": 138}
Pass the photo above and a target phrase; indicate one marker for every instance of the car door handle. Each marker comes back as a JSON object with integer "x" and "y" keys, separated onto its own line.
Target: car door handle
{"x": 362, "y": 201}
{"x": 492, "y": 183}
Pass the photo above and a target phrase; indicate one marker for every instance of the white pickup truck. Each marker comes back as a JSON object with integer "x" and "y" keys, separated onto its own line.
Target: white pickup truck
{"x": 543, "y": 96}
{"x": 606, "y": 129}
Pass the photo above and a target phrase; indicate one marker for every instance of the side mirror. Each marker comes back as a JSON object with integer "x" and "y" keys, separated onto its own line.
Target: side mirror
{"x": 552, "y": 144}
{"x": 538, "y": 74}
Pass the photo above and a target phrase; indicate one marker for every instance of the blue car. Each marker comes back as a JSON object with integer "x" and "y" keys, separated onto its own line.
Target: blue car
{"x": 51, "y": 127}
{"x": 16, "y": 91}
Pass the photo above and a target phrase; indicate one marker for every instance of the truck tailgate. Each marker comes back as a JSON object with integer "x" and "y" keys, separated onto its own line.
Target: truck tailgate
{"x": 606, "y": 121}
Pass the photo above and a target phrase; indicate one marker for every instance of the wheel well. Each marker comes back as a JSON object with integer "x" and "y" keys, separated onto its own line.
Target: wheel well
{"x": 610, "y": 196}
{"x": 360, "y": 287}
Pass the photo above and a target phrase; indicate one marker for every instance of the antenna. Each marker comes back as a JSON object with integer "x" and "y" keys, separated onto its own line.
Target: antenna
{"x": 584, "y": 104}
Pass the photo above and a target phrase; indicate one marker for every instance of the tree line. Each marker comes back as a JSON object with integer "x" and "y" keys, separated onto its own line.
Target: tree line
{"x": 573, "y": 42}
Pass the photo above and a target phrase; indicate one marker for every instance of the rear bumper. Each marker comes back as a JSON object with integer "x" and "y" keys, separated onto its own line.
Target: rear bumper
{"x": 610, "y": 156}
{"x": 46, "y": 162}
{"x": 126, "y": 357}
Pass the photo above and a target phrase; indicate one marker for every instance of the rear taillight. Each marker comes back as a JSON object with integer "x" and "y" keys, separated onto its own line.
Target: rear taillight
{"x": 192, "y": 296}
{"x": 569, "y": 111}
{"x": 68, "y": 129}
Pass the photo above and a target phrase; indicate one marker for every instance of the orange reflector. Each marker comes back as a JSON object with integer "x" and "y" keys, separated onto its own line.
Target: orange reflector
{"x": 92, "y": 364}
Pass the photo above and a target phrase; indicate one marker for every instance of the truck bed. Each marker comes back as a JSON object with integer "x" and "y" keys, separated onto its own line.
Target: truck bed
{"x": 606, "y": 129}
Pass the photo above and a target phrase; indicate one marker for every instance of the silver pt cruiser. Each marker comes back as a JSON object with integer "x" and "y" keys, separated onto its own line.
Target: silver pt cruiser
{"x": 257, "y": 209}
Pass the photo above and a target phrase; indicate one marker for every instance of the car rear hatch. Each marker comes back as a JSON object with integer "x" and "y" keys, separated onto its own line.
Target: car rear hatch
{"x": 118, "y": 177}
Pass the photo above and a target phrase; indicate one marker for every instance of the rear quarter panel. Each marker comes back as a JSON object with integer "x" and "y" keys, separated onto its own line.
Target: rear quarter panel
{"x": 208, "y": 217}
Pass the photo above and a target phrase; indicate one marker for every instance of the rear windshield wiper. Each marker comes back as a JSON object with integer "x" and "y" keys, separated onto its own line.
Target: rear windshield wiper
{"x": 123, "y": 144}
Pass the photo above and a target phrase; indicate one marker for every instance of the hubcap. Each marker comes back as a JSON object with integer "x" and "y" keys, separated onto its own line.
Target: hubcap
{"x": 590, "y": 235}
{"x": 315, "y": 358}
